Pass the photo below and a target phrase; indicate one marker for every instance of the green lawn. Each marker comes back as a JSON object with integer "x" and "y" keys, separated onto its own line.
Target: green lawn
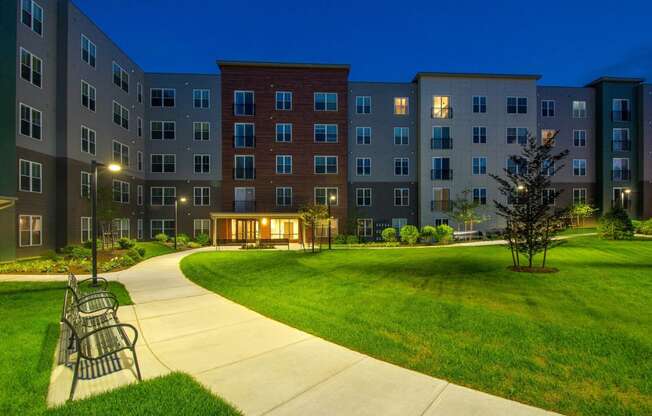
{"x": 578, "y": 341}
{"x": 154, "y": 248}
{"x": 29, "y": 329}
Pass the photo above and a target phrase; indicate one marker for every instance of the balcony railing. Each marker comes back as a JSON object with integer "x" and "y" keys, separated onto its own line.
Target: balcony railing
{"x": 621, "y": 145}
{"x": 441, "y": 143}
{"x": 244, "y": 109}
{"x": 621, "y": 174}
{"x": 261, "y": 206}
{"x": 443, "y": 205}
{"x": 244, "y": 173}
{"x": 625, "y": 115}
{"x": 441, "y": 174}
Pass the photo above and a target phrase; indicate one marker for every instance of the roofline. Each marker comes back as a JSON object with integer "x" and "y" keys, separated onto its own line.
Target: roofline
{"x": 475, "y": 75}
{"x": 307, "y": 65}
{"x": 615, "y": 79}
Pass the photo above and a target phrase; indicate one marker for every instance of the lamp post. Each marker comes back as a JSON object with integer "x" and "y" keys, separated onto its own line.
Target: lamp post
{"x": 95, "y": 165}
{"x": 176, "y": 218}
{"x": 624, "y": 192}
{"x": 331, "y": 198}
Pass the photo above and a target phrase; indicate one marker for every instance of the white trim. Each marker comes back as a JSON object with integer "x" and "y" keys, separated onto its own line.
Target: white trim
{"x": 363, "y": 196}
{"x": 31, "y": 68}
{"x": 162, "y": 188}
{"x": 81, "y": 51}
{"x": 394, "y": 166}
{"x": 337, "y": 194}
{"x": 31, "y": 27}
{"x": 276, "y": 100}
{"x": 337, "y": 163}
{"x": 81, "y": 140}
{"x": 92, "y": 91}
{"x": 31, "y": 122}
{"x": 201, "y": 196}
{"x": 122, "y": 146}
{"x": 81, "y": 229}
{"x": 31, "y": 231}
{"x": 31, "y": 163}
{"x": 83, "y": 173}
{"x": 162, "y": 139}
{"x": 201, "y": 130}
{"x": 151, "y": 155}
{"x": 122, "y": 108}
{"x": 356, "y": 103}
{"x": 121, "y": 70}
{"x": 401, "y": 196}
{"x": 276, "y": 165}
{"x": 194, "y": 163}
{"x": 326, "y": 94}
{"x": 163, "y": 89}
{"x": 326, "y": 125}
{"x": 163, "y": 220}
{"x": 356, "y": 166}
{"x": 201, "y": 98}
{"x": 407, "y": 106}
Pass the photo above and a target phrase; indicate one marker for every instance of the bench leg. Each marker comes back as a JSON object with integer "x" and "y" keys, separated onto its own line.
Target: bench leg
{"x": 75, "y": 376}
{"x": 133, "y": 352}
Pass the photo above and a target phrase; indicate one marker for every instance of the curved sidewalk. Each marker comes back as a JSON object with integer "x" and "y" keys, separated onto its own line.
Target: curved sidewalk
{"x": 264, "y": 367}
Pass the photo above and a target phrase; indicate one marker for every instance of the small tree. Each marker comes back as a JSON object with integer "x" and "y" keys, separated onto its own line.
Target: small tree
{"x": 580, "y": 212}
{"x": 465, "y": 211}
{"x": 409, "y": 234}
{"x": 389, "y": 235}
{"x": 444, "y": 233}
{"x": 428, "y": 233}
{"x": 531, "y": 220}
{"x": 616, "y": 225}
{"x": 311, "y": 215}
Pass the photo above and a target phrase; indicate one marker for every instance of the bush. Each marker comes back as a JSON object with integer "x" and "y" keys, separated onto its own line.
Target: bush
{"x": 202, "y": 239}
{"x": 340, "y": 239}
{"x": 49, "y": 255}
{"x": 443, "y": 234}
{"x": 194, "y": 244}
{"x": 141, "y": 251}
{"x": 616, "y": 225}
{"x": 410, "y": 234}
{"x": 80, "y": 253}
{"x": 183, "y": 239}
{"x": 644, "y": 227}
{"x": 161, "y": 237}
{"x": 134, "y": 254}
{"x": 352, "y": 239}
{"x": 428, "y": 233}
{"x": 125, "y": 243}
{"x": 389, "y": 235}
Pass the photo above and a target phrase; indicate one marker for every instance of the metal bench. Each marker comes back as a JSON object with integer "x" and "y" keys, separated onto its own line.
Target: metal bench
{"x": 94, "y": 299}
{"x": 94, "y": 339}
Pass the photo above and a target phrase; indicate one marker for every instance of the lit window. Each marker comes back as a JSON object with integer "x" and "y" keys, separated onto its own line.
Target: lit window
{"x": 401, "y": 105}
{"x": 30, "y": 229}
{"x": 441, "y": 107}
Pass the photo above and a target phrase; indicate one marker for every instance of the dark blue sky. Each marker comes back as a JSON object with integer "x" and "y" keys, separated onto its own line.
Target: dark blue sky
{"x": 569, "y": 42}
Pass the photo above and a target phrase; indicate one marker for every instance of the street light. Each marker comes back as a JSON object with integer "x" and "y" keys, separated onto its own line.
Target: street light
{"x": 622, "y": 197}
{"x": 176, "y": 218}
{"x": 95, "y": 165}
{"x": 330, "y": 199}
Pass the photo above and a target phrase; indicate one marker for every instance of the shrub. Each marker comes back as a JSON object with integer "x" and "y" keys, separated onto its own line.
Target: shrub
{"x": 616, "y": 225}
{"x": 80, "y": 253}
{"x": 161, "y": 237}
{"x": 194, "y": 244}
{"x": 389, "y": 235}
{"x": 183, "y": 239}
{"x": 340, "y": 239}
{"x": 410, "y": 234}
{"x": 49, "y": 255}
{"x": 125, "y": 243}
{"x": 352, "y": 239}
{"x": 444, "y": 233}
{"x": 134, "y": 254}
{"x": 141, "y": 251}
{"x": 644, "y": 227}
{"x": 202, "y": 239}
{"x": 428, "y": 233}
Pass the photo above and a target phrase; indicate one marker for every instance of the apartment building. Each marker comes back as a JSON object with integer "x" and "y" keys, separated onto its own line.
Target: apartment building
{"x": 645, "y": 153}
{"x": 382, "y": 156}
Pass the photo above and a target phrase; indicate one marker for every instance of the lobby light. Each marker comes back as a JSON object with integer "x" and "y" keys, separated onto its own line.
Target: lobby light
{"x": 114, "y": 167}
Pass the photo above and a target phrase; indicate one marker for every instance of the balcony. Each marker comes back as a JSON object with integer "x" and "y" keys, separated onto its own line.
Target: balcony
{"x": 625, "y": 115}
{"x": 443, "y": 205}
{"x": 621, "y": 145}
{"x": 441, "y": 143}
{"x": 261, "y": 206}
{"x": 244, "y": 173}
{"x": 244, "y": 109}
{"x": 441, "y": 174}
{"x": 621, "y": 175}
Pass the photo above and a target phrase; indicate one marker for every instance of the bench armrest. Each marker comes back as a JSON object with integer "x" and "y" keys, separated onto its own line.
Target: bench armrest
{"x": 130, "y": 339}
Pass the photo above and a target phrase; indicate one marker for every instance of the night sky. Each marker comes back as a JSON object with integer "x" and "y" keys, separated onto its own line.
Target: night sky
{"x": 568, "y": 42}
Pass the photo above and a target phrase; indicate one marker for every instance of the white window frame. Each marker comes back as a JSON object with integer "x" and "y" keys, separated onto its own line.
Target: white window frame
{"x": 122, "y": 72}
{"x": 89, "y": 141}
{"x": 85, "y": 228}
{"x": 31, "y": 176}
{"x": 92, "y": 52}
{"x": 201, "y": 125}
{"x": 194, "y": 163}
{"x": 201, "y": 92}
{"x": 139, "y": 161}
{"x": 121, "y": 161}
{"x": 32, "y": 57}
{"x": 201, "y": 190}
{"x": 479, "y": 200}
{"x": 582, "y": 193}
{"x": 579, "y": 112}
{"x": 34, "y": 6}
{"x": 122, "y": 200}
{"x": 357, "y": 159}
{"x": 92, "y": 96}
{"x": 283, "y": 158}
{"x": 578, "y": 131}
{"x": 579, "y": 162}
{"x": 479, "y": 159}
{"x": 366, "y": 225}
{"x": 358, "y": 131}
{"x": 163, "y": 90}
{"x": 326, "y": 126}
{"x": 253, "y": 102}
{"x": 163, "y": 222}
{"x": 326, "y": 158}
{"x": 163, "y": 196}
{"x": 276, "y": 100}
{"x": 284, "y": 189}
{"x": 517, "y": 98}
{"x": 163, "y": 129}
{"x": 284, "y": 131}
{"x": 398, "y": 104}
{"x": 398, "y": 192}
{"x": 402, "y": 137}
{"x": 327, "y": 95}
{"x": 364, "y": 197}
{"x": 89, "y": 177}
{"x": 122, "y": 109}
{"x": 163, "y": 155}
{"x": 31, "y": 242}
{"x": 547, "y": 108}
{"x": 480, "y": 99}
{"x": 201, "y": 228}
{"x": 408, "y": 165}
{"x": 326, "y": 195}
{"x": 32, "y": 110}
{"x": 363, "y": 98}
{"x": 140, "y": 195}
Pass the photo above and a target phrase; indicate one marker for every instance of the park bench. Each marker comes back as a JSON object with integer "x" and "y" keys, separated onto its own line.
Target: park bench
{"x": 91, "y": 343}
{"x": 92, "y": 299}
{"x": 466, "y": 235}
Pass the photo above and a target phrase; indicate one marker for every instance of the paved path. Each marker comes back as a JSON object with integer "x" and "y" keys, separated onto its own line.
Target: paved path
{"x": 264, "y": 367}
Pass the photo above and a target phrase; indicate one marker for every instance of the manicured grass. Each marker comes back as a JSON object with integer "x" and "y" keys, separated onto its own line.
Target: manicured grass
{"x": 577, "y": 341}
{"x": 154, "y": 248}
{"x": 29, "y": 329}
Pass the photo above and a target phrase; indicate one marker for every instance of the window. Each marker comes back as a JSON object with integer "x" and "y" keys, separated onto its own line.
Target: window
{"x": 326, "y": 133}
{"x": 163, "y": 163}
{"x": 548, "y": 136}
{"x": 120, "y": 153}
{"x": 163, "y": 97}
{"x": 441, "y": 169}
{"x": 479, "y": 135}
{"x": 363, "y": 135}
{"x": 139, "y": 195}
{"x": 401, "y": 106}
{"x": 283, "y": 100}
{"x": 579, "y": 196}
{"x": 31, "y": 176}
{"x": 201, "y": 226}
{"x": 479, "y": 104}
{"x": 548, "y": 167}
{"x": 161, "y": 227}
{"x": 323, "y": 195}
{"x": 516, "y": 165}
{"x": 87, "y": 140}
{"x": 202, "y": 163}
{"x": 479, "y": 166}
{"x": 283, "y": 164}
{"x": 547, "y": 108}
{"x": 516, "y": 105}
{"x": 201, "y": 98}
{"x": 86, "y": 231}
{"x": 139, "y": 94}
{"x": 163, "y": 130}
{"x": 620, "y": 109}
{"x": 325, "y": 101}
{"x": 31, "y": 121}
{"x": 548, "y": 196}
{"x": 401, "y": 166}
{"x": 244, "y": 103}
{"x": 620, "y": 140}
{"x": 620, "y": 169}
{"x": 120, "y": 77}
{"x": 441, "y": 107}
{"x": 120, "y": 115}
{"x": 139, "y": 228}
{"x": 85, "y": 187}
{"x": 579, "y": 109}
{"x": 283, "y": 132}
{"x": 201, "y": 130}
{"x": 517, "y": 135}
{"x": 579, "y": 167}
{"x": 579, "y": 138}
{"x": 365, "y": 227}
{"x": 139, "y": 127}
{"x": 32, "y": 17}
{"x": 621, "y": 198}
{"x": 441, "y": 199}
{"x": 244, "y": 167}
{"x": 121, "y": 227}
{"x": 441, "y": 138}
{"x": 201, "y": 196}
{"x": 401, "y": 197}
{"x": 401, "y": 136}
{"x": 363, "y": 197}
{"x": 88, "y": 95}
{"x": 480, "y": 196}
{"x": 325, "y": 164}
{"x": 363, "y": 104}
{"x": 30, "y": 230}
{"x": 283, "y": 196}
{"x": 120, "y": 191}
{"x": 363, "y": 166}
{"x": 440, "y": 221}
{"x": 31, "y": 68}
{"x": 399, "y": 223}
{"x": 244, "y": 135}
{"x": 88, "y": 51}
{"x": 162, "y": 195}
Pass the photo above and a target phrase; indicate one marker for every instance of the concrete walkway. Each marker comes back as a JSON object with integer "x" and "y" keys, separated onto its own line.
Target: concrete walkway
{"x": 264, "y": 367}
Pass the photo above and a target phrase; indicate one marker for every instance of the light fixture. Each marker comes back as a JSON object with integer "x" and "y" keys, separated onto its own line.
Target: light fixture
{"x": 520, "y": 187}
{"x": 332, "y": 198}
{"x": 264, "y": 221}
{"x": 182, "y": 199}
{"x": 628, "y": 191}
{"x": 114, "y": 167}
